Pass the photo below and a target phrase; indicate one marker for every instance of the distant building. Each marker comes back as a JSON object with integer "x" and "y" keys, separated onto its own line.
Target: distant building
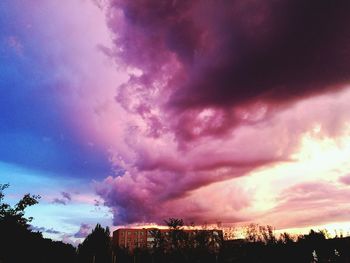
{"x": 132, "y": 238}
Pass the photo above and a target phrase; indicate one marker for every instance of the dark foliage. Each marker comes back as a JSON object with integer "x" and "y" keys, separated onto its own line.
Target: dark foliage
{"x": 260, "y": 246}
{"x": 19, "y": 244}
{"x": 314, "y": 247}
{"x": 96, "y": 247}
{"x": 175, "y": 245}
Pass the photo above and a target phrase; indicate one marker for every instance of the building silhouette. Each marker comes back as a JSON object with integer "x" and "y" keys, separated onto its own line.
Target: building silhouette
{"x": 132, "y": 238}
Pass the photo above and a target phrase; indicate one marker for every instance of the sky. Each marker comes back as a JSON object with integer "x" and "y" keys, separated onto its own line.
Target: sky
{"x": 130, "y": 112}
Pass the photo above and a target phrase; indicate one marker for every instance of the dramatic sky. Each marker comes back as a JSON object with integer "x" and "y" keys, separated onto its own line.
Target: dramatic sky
{"x": 131, "y": 112}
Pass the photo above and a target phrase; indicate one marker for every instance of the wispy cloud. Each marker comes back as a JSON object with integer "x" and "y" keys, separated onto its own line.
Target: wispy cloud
{"x": 66, "y": 197}
{"x": 45, "y": 230}
{"x": 84, "y": 230}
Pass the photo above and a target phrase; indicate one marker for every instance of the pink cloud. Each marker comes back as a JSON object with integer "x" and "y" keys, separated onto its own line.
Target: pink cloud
{"x": 164, "y": 172}
{"x": 311, "y": 203}
{"x": 83, "y": 231}
{"x": 182, "y": 121}
{"x": 345, "y": 179}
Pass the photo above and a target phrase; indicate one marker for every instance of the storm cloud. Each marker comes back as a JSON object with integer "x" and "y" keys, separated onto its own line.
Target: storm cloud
{"x": 216, "y": 90}
{"x": 234, "y": 52}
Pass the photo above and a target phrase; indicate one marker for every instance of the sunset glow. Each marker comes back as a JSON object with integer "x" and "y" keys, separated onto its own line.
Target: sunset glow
{"x": 131, "y": 112}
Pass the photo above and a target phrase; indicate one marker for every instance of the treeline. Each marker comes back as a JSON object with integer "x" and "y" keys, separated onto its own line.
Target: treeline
{"x": 260, "y": 245}
{"x": 18, "y": 243}
{"x": 175, "y": 245}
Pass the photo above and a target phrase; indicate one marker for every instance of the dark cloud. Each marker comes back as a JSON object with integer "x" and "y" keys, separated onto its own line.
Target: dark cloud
{"x": 234, "y": 52}
{"x": 44, "y": 230}
{"x": 83, "y": 231}
{"x": 291, "y": 49}
{"x": 59, "y": 201}
{"x": 213, "y": 82}
{"x": 133, "y": 199}
{"x": 66, "y": 197}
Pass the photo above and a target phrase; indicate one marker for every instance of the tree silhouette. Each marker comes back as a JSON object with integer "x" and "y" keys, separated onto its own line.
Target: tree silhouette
{"x": 96, "y": 248}
{"x": 19, "y": 244}
{"x": 174, "y": 223}
{"x": 14, "y": 226}
{"x": 15, "y": 215}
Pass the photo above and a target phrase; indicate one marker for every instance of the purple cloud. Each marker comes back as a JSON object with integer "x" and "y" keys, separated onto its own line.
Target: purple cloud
{"x": 311, "y": 203}
{"x": 66, "y": 197}
{"x": 216, "y": 90}
{"x": 232, "y": 53}
{"x": 44, "y": 230}
{"x": 83, "y": 231}
{"x": 345, "y": 179}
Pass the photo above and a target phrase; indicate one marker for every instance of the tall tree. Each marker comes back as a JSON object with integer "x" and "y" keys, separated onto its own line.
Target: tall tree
{"x": 96, "y": 247}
